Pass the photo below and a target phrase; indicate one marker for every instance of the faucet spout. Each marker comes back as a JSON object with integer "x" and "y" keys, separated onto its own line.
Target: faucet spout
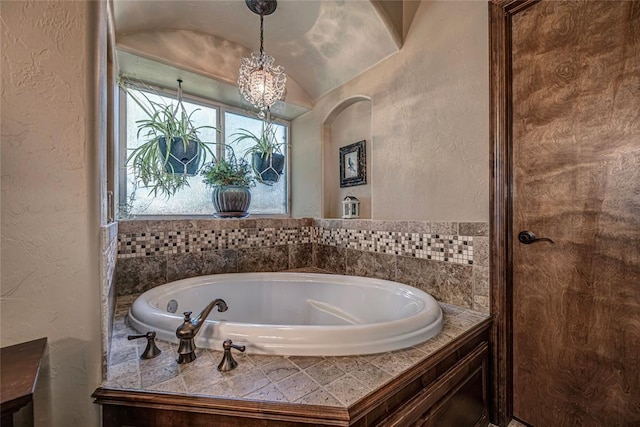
{"x": 190, "y": 327}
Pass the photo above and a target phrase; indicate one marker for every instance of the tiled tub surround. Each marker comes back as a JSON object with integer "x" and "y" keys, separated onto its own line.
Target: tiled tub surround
{"x": 108, "y": 250}
{"x": 447, "y": 259}
{"x": 325, "y": 381}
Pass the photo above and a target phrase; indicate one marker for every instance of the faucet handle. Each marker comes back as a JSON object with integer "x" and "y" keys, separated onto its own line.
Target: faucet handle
{"x": 187, "y": 315}
{"x": 227, "y": 344}
{"x": 152, "y": 349}
{"x": 228, "y": 363}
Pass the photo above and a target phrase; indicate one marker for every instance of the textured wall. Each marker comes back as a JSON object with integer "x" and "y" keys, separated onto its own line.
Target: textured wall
{"x": 50, "y": 220}
{"x": 430, "y": 152}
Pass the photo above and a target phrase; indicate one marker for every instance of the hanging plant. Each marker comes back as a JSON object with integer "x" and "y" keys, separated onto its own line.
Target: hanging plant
{"x": 267, "y": 158}
{"x": 172, "y": 150}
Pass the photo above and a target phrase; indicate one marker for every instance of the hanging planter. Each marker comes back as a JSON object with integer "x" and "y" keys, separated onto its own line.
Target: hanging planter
{"x": 163, "y": 162}
{"x": 181, "y": 158}
{"x": 267, "y": 158}
{"x": 268, "y": 168}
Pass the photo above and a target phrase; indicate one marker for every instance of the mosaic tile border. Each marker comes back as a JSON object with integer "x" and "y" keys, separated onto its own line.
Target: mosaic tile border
{"x": 438, "y": 241}
{"x": 133, "y": 245}
{"x": 448, "y": 248}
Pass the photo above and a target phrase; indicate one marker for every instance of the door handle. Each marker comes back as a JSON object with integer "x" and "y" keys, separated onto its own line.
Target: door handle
{"x": 528, "y": 237}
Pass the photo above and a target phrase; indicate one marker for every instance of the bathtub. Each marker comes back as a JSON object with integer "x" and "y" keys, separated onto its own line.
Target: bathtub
{"x": 305, "y": 314}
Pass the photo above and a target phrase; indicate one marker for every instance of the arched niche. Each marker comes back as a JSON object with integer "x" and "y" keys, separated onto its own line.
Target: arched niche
{"x": 347, "y": 123}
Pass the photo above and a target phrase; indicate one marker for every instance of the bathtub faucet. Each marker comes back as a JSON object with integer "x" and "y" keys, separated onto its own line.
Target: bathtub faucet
{"x": 188, "y": 330}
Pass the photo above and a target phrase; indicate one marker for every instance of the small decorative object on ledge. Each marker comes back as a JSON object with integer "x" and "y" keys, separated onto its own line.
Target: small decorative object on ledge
{"x": 350, "y": 207}
{"x": 353, "y": 164}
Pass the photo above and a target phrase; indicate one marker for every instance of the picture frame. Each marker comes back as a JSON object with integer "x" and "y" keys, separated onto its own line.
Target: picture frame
{"x": 353, "y": 164}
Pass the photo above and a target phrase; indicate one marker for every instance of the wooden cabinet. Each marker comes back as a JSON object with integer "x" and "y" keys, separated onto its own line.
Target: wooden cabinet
{"x": 448, "y": 388}
{"x": 18, "y": 376}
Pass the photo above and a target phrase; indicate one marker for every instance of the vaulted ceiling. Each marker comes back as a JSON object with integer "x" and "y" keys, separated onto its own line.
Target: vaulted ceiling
{"x": 321, "y": 43}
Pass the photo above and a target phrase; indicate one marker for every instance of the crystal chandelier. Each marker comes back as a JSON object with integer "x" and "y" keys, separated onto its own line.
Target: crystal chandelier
{"x": 260, "y": 82}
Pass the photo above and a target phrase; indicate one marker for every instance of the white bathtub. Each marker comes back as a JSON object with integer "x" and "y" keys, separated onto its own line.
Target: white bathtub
{"x": 294, "y": 313}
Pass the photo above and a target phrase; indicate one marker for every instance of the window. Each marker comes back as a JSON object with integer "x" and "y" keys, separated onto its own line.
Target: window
{"x": 195, "y": 199}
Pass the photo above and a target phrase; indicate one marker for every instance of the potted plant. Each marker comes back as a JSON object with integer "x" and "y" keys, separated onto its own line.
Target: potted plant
{"x": 230, "y": 180}
{"x": 173, "y": 149}
{"x": 267, "y": 158}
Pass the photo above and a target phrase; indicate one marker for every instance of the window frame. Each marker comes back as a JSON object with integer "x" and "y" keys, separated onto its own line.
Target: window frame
{"x": 221, "y": 109}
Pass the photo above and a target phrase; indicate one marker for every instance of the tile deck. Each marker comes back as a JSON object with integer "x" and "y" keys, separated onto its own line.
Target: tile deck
{"x": 327, "y": 381}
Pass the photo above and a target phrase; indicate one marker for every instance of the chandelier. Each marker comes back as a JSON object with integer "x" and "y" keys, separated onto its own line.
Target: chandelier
{"x": 260, "y": 82}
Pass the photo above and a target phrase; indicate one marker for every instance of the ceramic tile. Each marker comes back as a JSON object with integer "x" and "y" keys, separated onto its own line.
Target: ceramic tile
{"x": 219, "y": 261}
{"x": 218, "y": 389}
{"x": 319, "y": 397}
{"x": 370, "y": 264}
{"x": 346, "y": 389}
{"x": 274, "y": 258}
{"x": 423, "y": 227}
{"x": 349, "y": 363}
{"x": 203, "y": 363}
{"x": 131, "y": 226}
{"x": 167, "y": 357}
{"x": 296, "y": 386}
{"x": 157, "y": 374}
{"x": 324, "y": 372}
{"x": 174, "y": 385}
{"x": 124, "y": 371}
{"x": 261, "y": 360}
{"x": 330, "y": 258}
{"x": 480, "y": 279}
{"x": 391, "y": 226}
{"x": 473, "y": 228}
{"x": 393, "y": 363}
{"x": 281, "y": 368}
{"x": 449, "y": 228}
{"x": 136, "y": 275}
{"x": 481, "y": 303}
{"x": 182, "y": 266}
{"x": 245, "y": 382}
{"x": 445, "y": 281}
{"x": 481, "y": 251}
{"x": 370, "y": 375}
{"x": 300, "y": 255}
{"x": 303, "y": 362}
{"x": 199, "y": 382}
{"x": 269, "y": 393}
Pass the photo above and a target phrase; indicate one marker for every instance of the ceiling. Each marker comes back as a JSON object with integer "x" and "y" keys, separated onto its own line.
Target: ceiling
{"x": 322, "y": 44}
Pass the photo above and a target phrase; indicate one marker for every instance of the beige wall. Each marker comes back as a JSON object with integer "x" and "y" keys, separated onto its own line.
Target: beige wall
{"x": 50, "y": 210}
{"x": 430, "y": 149}
{"x": 350, "y": 125}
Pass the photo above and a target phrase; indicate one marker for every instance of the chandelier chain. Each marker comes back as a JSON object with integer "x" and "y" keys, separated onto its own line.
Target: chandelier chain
{"x": 261, "y": 35}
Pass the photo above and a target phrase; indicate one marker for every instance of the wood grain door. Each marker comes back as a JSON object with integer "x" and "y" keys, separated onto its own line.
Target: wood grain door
{"x": 575, "y": 160}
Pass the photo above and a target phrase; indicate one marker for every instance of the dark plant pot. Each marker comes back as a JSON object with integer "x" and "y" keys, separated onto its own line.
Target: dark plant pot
{"x": 231, "y": 201}
{"x": 268, "y": 168}
{"x": 182, "y": 161}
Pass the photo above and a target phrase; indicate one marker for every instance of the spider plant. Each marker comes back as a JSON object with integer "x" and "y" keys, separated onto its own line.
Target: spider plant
{"x": 154, "y": 162}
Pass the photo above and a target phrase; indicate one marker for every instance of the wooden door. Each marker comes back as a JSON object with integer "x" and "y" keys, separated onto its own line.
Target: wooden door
{"x": 575, "y": 161}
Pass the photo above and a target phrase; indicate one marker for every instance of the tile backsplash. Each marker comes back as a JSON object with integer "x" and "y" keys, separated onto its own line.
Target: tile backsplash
{"x": 447, "y": 259}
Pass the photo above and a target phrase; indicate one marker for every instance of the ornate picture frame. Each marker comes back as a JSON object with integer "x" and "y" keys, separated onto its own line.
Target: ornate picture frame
{"x": 353, "y": 164}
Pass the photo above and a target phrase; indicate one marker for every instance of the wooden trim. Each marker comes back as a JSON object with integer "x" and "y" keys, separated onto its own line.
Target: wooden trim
{"x": 500, "y": 15}
{"x": 449, "y": 383}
